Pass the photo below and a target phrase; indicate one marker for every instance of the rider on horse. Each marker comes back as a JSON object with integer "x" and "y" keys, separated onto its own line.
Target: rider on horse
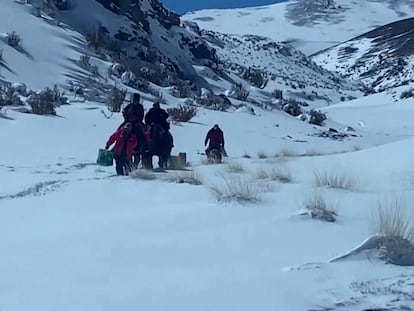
{"x": 161, "y": 140}
{"x": 134, "y": 113}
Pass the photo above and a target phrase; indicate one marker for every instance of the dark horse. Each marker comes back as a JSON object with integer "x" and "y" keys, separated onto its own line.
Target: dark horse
{"x": 161, "y": 143}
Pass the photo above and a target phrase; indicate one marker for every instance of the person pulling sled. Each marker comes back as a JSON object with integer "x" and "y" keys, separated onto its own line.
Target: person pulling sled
{"x": 215, "y": 139}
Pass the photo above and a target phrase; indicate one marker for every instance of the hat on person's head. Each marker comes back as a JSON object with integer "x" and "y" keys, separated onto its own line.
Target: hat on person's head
{"x": 156, "y": 105}
{"x": 136, "y": 97}
{"x": 216, "y": 127}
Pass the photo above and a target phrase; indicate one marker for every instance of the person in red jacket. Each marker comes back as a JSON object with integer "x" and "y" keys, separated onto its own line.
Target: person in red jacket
{"x": 215, "y": 138}
{"x": 134, "y": 113}
{"x": 125, "y": 142}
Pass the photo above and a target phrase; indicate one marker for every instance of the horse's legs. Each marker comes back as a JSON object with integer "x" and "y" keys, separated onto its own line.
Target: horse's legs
{"x": 147, "y": 160}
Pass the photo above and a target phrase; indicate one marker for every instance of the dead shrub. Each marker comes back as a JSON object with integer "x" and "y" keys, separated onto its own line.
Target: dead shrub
{"x": 116, "y": 99}
{"x": 316, "y": 117}
{"x": 43, "y": 103}
{"x": 407, "y": 94}
{"x": 13, "y": 39}
{"x": 239, "y": 92}
{"x": 182, "y": 113}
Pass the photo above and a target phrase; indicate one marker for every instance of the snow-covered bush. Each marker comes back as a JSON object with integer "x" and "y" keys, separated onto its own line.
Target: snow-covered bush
{"x": 96, "y": 39}
{"x": 129, "y": 78}
{"x": 316, "y": 117}
{"x": 13, "y": 39}
{"x": 43, "y": 103}
{"x": 144, "y": 85}
{"x": 239, "y": 92}
{"x": 182, "y": 89}
{"x": 84, "y": 61}
{"x": 116, "y": 98}
{"x": 116, "y": 69}
{"x": 182, "y": 113}
{"x": 9, "y": 97}
{"x": 19, "y": 88}
{"x": 215, "y": 102}
{"x": 256, "y": 77}
{"x": 407, "y": 94}
{"x": 277, "y": 94}
{"x": 292, "y": 107}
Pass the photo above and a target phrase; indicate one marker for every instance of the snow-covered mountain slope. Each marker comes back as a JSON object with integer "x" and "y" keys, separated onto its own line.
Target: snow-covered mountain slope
{"x": 158, "y": 50}
{"x": 309, "y": 25}
{"x": 142, "y": 32}
{"x": 140, "y": 37}
{"x": 286, "y": 68}
{"x": 382, "y": 58}
{"x": 48, "y": 53}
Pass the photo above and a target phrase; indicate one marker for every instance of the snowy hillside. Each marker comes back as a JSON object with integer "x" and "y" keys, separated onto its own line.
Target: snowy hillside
{"x": 142, "y": 35}
{"x": 298, "y": 217}
{"x": 286, "y": 68}
{"x": 48, "y": 51}
{"x": 382, "y": 58}
{"x": 182, "y": 58}
{"x": 308, "y": 25}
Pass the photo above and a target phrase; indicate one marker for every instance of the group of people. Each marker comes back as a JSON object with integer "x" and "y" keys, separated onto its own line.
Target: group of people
{"x": 133, "y": 137}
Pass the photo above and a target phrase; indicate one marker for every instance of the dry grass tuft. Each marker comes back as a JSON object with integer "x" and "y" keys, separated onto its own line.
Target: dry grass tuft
{"x": 280, "y": 174}
{"x": 391, "y": 218}
{"x": 336, "y": 180}
{"x": 237, "y": 189}
{"x": 235, "y": 167}
{"x": 319, "y": 208}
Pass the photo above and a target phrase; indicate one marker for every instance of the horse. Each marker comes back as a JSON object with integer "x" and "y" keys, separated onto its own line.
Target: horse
{"x": 160, "y": 144}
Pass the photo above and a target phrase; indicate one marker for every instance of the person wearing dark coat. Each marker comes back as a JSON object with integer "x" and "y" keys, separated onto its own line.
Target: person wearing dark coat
{"x": 215, "y": 139}
{"x": 157, "y": 115}
{"x": 134, "y": 114}
{"x": 125, "y": 142}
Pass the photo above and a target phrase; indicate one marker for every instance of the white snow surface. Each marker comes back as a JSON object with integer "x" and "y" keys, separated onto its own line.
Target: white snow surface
{"x": 75, "y": 237}
{"x": 310, "y": 32}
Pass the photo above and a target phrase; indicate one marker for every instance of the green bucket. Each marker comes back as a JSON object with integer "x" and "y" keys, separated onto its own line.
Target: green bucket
{"x": 105, "y": 157}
